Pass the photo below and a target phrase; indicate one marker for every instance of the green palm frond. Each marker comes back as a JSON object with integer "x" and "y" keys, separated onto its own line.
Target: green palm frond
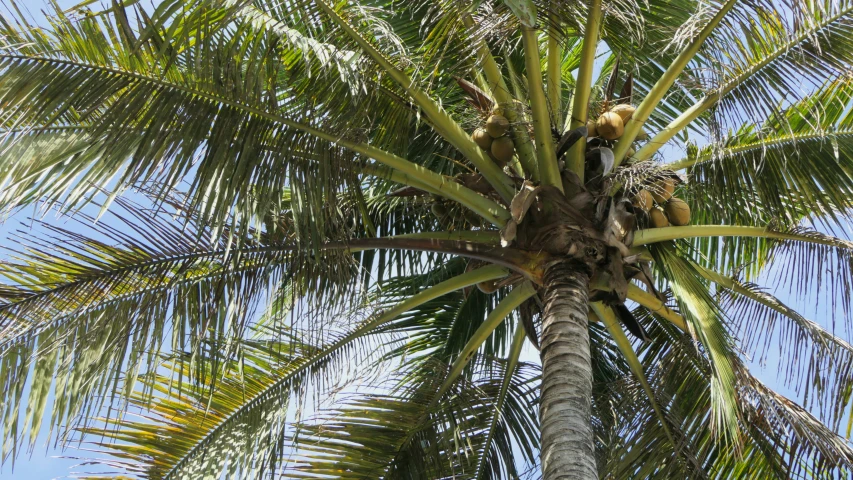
{"x": 820, "y": 452}
{"x": 793, "y": 167}
{"x": 161, "y": 278}
{"x": 705, "y": 321}
{"x": 403, "y": 436}
{"x": 767, "y": 62}
{"x": 332, "y": 276}
{"x": 819, "y": 360}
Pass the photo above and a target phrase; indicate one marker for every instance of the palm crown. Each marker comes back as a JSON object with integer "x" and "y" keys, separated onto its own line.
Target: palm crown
{"x": 389, "y": 199}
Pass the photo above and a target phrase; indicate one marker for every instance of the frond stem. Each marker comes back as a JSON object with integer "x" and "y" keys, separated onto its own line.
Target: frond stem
{"x": 546, "y": 152}
{"x": 580, "y": 100}
{"x": 653, "y": 235}
{"x": 516, "y": 297}
{"x": 760, "y": 145}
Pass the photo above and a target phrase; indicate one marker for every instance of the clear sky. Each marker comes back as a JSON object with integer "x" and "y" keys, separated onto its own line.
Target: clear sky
{"x": 45, "y": 462}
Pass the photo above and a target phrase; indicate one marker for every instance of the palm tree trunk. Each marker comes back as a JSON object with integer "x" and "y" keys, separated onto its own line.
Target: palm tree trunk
{"x": 566, "y": 437}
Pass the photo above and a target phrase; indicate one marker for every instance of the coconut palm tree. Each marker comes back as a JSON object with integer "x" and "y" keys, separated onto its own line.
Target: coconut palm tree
{"x": 348, "y": 219}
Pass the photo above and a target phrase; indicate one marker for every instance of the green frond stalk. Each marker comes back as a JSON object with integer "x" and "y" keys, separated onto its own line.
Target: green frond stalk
{"x": 763, "y": 145}
{"x": 655, "y": 235}
{"x": 656, "y": 94}
{"x": 608, "y": 318}
{"x": 545, "y": 152}
{"x": 511, "y": 364}
{"x": 440, "y": 119}
{"x": 429, "y": 181}
{"x": 656, "y": 306}
{"x": 516, "y": 297}
{"x": 555, "y": 76}
{"x": 580, "y": 100}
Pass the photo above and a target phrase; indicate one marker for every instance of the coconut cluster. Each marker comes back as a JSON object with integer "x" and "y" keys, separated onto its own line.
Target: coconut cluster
{"x": 610, "y": 125}
{"x": 662, "y": 208}
{"x": 494, "y": 139}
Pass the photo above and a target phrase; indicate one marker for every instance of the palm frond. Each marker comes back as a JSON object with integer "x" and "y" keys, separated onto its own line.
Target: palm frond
{"x": 704, "y": 317}
{"x": 120, "y": 298}
{"x": 820, "y": 365}
{"x": 794, "y": 167}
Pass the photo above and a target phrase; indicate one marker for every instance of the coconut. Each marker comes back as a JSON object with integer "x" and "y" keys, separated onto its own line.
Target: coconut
{"x": 678, "y": 211}
{"x": 497, "y": 125}
{"x": 590, "y": 129}
{"x": 482, "y": 138}
{"x": 643, "y": 200}
{"x": 472, "y": 218}
{"x": 657, "y": 219}
{"x": 624, "y": 111}
{"x": 490, "y": 286}
{"x": 610, "y": 126}
{"x": 662, "y": 190}
{"x": 439, "y": 210}
{"x": 503, "y": 149}
{"x": 630, "y": 153}
{"x": 642, "y": 135}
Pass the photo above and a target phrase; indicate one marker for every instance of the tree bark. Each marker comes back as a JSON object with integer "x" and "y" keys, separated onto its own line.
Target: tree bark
{"x": 567, "y": 449}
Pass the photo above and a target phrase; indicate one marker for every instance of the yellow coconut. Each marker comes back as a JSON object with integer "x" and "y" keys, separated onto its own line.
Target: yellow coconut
{"x": 678, "y": 211}
{"x": 642, "y": 135}
{"x": 610, "y": 126}
{"x": 482, "y": 138}
{"x": 643, "y": 200}
{"x": 662, "y": 190}
{"x": 624, "y": 111}
{"x": 503, "y": 149}
{"x": 497, "y": 125}
{"x": 590, "y": 129}
{"x": 657, "y": 218}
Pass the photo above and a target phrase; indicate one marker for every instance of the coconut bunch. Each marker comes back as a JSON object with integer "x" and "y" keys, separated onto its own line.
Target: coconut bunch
{"x": 662, "y": 208}
{"x": 610, "y": 125}
{"x": 494, "y": 139}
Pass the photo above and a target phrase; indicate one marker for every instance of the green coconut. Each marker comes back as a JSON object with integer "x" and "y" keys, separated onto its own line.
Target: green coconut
{"x": 503, "y": 149}
{"x": 657, "y": 218}
{"x": 482, "y": 138}
{"x": 497, "y": 125}
{"x": 678, "y": 211}
{"x": 610, "y": 126}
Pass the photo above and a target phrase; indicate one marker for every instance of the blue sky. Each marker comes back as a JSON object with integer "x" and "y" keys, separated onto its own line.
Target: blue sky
{"x": 46, "y": 463}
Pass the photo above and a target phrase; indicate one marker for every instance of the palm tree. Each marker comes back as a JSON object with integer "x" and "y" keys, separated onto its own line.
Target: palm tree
{"x": 366, "y": 210}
